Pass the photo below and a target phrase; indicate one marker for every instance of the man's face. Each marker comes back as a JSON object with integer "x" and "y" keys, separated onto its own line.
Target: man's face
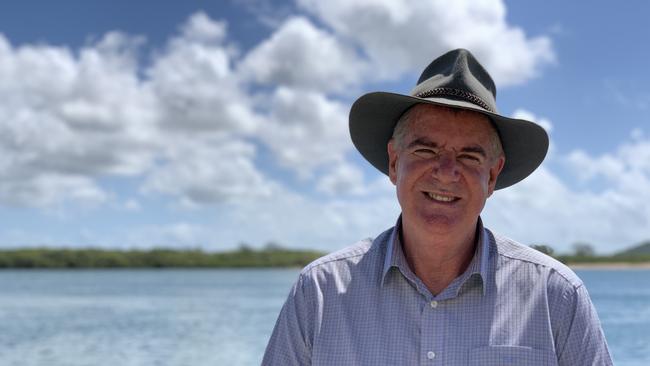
{"x": 445, "y": 167}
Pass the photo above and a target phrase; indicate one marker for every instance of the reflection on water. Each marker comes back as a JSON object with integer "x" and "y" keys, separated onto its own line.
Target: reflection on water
{"x": 214, "y": 317}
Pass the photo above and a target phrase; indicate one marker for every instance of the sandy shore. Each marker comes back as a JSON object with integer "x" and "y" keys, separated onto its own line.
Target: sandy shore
{"x": 612, "y": 265}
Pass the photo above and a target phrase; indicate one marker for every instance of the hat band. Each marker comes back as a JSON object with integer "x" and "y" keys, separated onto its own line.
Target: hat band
{"x": 469, "y": 97}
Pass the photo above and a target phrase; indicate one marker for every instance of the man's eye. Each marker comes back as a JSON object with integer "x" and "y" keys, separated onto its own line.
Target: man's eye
{"x": 424, "y": 153}
{"x": 470, "y": 158}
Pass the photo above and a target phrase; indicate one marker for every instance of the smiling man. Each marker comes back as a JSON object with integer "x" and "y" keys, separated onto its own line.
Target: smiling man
{"x": 438, "y": 288}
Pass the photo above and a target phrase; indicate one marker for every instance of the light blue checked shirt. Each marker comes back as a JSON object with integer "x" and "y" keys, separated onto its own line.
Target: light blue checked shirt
{"x": 364, "y": 306}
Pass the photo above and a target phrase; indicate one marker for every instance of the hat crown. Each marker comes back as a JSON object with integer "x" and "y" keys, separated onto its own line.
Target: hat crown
{"x": 458, "y": 75}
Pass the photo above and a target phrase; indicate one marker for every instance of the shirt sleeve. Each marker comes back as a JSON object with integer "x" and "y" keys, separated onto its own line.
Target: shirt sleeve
{"x": 581, "y": 340}
{"x": 290, "y": 342}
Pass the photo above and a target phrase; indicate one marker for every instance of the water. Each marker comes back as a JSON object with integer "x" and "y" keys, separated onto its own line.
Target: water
{"x": 214, "y": 317}
{"x": 622, "y": 300}
{"x": 139, "y": 317}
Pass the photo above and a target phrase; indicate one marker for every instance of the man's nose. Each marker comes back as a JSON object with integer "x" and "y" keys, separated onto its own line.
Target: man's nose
{"x": 445, "y": 167}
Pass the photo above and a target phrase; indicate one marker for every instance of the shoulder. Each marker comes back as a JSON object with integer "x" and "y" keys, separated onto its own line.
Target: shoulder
{"x": 514, "y": 255}
{"x": 348, "y": 255}
{"x": 362, "y": 258}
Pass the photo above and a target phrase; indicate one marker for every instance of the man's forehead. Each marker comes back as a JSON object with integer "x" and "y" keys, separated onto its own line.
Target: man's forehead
{"x": 465, "y": 122}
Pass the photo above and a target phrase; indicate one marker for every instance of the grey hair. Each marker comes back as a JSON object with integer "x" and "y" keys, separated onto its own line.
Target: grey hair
{"x": 399, "y": 132}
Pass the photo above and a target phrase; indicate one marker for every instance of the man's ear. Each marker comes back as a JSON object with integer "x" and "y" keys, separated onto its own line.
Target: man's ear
{"x": 392, "y": 161}
{"x": 495, "y": 170}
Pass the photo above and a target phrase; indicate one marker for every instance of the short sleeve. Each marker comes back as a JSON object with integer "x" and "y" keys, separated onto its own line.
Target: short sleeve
{"x": 290, "y": 342}
{"x": 581, "y": 340}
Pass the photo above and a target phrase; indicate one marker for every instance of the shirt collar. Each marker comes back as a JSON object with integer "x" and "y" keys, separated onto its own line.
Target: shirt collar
{"x": 393, "y": 250}
{"x": 478, "y": 266}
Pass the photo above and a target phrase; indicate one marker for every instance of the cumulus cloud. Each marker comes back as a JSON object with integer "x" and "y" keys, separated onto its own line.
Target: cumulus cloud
{"x": 302, "y": 221}
{"x": 623, "y": 168}
{"x": 66, "y": 119}
{"x": 306, "y": 129}
{"x": 48, "y": 190}
{"x": 175, "y": 234}
{"x": 206, "y": 172}
{"x": 70, "y": 118}
{"x": 585, "y": 167}
{"x": 342, "y": 179}
{"x": 200, "y": 28}
{"x": 194, "y": 83}
{"x": 299, "y": 54}
{"x": 404, "y": 36}
{"x": 192, "y": 124}
{"x": 544, "y": 208}
{"x": 81, "y": 115}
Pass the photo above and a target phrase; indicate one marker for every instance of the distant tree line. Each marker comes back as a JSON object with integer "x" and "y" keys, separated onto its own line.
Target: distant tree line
{"x": 270, "y": 256}
{"x": 585, "y": 253}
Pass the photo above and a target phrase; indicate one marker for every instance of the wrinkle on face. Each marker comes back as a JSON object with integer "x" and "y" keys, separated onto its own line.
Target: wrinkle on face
{"x": 444, "y": 167}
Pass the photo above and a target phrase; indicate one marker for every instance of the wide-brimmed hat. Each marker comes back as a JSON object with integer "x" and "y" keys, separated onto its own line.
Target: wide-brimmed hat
{"x": 455, "y": 79}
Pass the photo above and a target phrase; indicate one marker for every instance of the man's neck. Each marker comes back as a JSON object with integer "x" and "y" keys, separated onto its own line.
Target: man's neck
{"x": 437, "y": 259}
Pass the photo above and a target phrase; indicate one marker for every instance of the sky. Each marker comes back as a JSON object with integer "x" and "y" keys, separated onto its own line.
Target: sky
{"x": 196, "y": 124}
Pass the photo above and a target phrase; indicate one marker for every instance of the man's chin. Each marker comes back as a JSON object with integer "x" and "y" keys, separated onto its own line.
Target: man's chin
{"x": 437, "y": 223}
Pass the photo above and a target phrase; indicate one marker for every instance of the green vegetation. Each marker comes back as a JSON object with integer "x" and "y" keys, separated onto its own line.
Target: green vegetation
{"x": 271, "y": 256}
{"x": 575, "y": 259}
{"x": 642, "y": 249}
{"x": 584, "y": 253}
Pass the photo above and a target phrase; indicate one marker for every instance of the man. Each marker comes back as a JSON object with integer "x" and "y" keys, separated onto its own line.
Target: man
{"x": 438, "y": 288}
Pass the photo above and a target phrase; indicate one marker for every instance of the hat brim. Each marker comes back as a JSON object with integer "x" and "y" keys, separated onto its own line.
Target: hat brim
{"x": 373, "y": 117}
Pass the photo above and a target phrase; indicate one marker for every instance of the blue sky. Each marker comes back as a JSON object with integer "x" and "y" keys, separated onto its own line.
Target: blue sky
{"x": 208, "y": 124}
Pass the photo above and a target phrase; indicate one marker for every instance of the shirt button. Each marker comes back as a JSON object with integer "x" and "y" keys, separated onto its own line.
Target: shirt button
{"x": 434, "y": 304}
{"x": 431, "y": 355}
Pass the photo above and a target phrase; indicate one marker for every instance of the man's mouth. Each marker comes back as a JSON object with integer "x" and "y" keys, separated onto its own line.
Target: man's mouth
{"x": 440, "y": 197}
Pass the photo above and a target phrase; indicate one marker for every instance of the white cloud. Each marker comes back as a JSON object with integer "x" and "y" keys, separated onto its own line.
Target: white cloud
{"x": 67, "y": 119}
{"x": 632, "y": 159}
{"x": 194, "y": 83}
{"x": 543, "y": 208}
{"x": 342, "y": 179}
{"x": 301, "y": 221}
{"x": 306, "y": 129}
{"x": 80, "y": 116}
{"x": 586, "y": 167}
{"x": 70, "y": 118}
{"x": 48, "y": 190}
{"x": 191, "y": 125}
{"x": 301, "y": 55}
{"x": 201, "y": 28}
{"x": 209, "y": 171}
{"x": 403, "y": 36}
{"x": 176, "y": 234}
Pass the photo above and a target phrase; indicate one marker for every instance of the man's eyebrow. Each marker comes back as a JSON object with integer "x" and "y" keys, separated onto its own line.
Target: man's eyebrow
{"x": 422, "y": 142}
{"x": 476, "y": 149}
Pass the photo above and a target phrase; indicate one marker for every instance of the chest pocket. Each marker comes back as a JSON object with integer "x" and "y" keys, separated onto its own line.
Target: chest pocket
{"x": 511, "y": 356}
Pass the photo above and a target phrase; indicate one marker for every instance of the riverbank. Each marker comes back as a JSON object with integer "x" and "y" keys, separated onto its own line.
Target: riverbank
{"x": 610, "y": 266}
{"x": 244, "y": 257}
